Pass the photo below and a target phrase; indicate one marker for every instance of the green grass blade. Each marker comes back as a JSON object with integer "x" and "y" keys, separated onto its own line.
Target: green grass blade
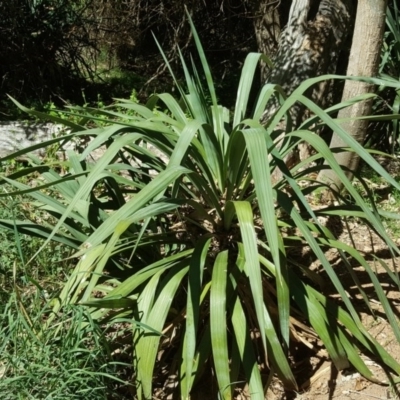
{"x": 258, "y": 155}
{"x": 204, "y": 63}
{"x": 252, "y": 265}
{"x": 192, "y": 313}
{"x": 183, "y": 142}
{"x": 220, "y": 121}
{"x": 127, "y": 287}
{"x": 92, "y": 178}
{"x": 218, "y": 325}
{"x": 327, "y": 330}
{"x": 44, "y": 116}
{"x": 277, "y": 355}
{"x": 375, "y": 281}
{"x": 371, "y": 215}
{"x": 242, "y": 337}
{"x": 167, "y": 63}
{"x": 288, "y": 206}
{"x": 106, "y": 254}
{"x": 147, "y": 345}
{"x": 149, "y": 192}
{"x": 35, "y": 230}
{"x": 301, "y": 290}
{"x": 330, "y": 332}
{"x": 173, "y": 106}
{"x": 245, "y": 84}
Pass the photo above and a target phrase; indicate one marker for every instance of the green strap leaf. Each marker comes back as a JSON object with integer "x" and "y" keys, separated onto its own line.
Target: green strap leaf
{"x": 246, "y": 350}
{"x": 196, "y": 267}
{"x": 252, "y": 264}
{"x": 260, "y": 169}
{"x": 219, "y": 337}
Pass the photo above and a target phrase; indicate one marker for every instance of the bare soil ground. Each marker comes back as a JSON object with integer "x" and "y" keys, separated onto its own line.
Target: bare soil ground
{"x": 317, "y": 376}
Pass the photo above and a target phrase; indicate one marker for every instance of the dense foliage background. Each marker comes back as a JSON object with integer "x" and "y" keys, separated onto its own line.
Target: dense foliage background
{"x": 60, "y": 50}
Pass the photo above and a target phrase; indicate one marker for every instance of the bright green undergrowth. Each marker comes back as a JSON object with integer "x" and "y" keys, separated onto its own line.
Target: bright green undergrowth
{"x": 70, "y": 359}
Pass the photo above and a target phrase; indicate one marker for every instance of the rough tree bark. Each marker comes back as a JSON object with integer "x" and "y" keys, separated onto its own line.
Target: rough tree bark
{"x": 309, "y": 46}
{"x": 364, "y": 61}
{"x": 267, "y": 28}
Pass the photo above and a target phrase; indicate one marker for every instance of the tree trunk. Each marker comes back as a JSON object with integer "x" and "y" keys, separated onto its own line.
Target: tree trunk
{"x": 267, "y": 29}
{"x": 308, "y": 47}
{"x": 364, "y": 61}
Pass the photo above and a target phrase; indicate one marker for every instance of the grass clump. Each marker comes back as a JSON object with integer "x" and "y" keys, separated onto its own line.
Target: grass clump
{"x": 69, "y": 360}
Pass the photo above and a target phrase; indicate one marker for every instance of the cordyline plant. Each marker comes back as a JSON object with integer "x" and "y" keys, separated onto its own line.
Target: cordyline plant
{"x": 180, "y": 232}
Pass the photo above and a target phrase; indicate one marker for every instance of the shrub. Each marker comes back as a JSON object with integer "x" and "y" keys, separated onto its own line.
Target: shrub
{"x": 46, "y": 45}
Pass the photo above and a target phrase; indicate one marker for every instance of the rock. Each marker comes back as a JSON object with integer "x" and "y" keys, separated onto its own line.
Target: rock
{"x": 16, "y": 135}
